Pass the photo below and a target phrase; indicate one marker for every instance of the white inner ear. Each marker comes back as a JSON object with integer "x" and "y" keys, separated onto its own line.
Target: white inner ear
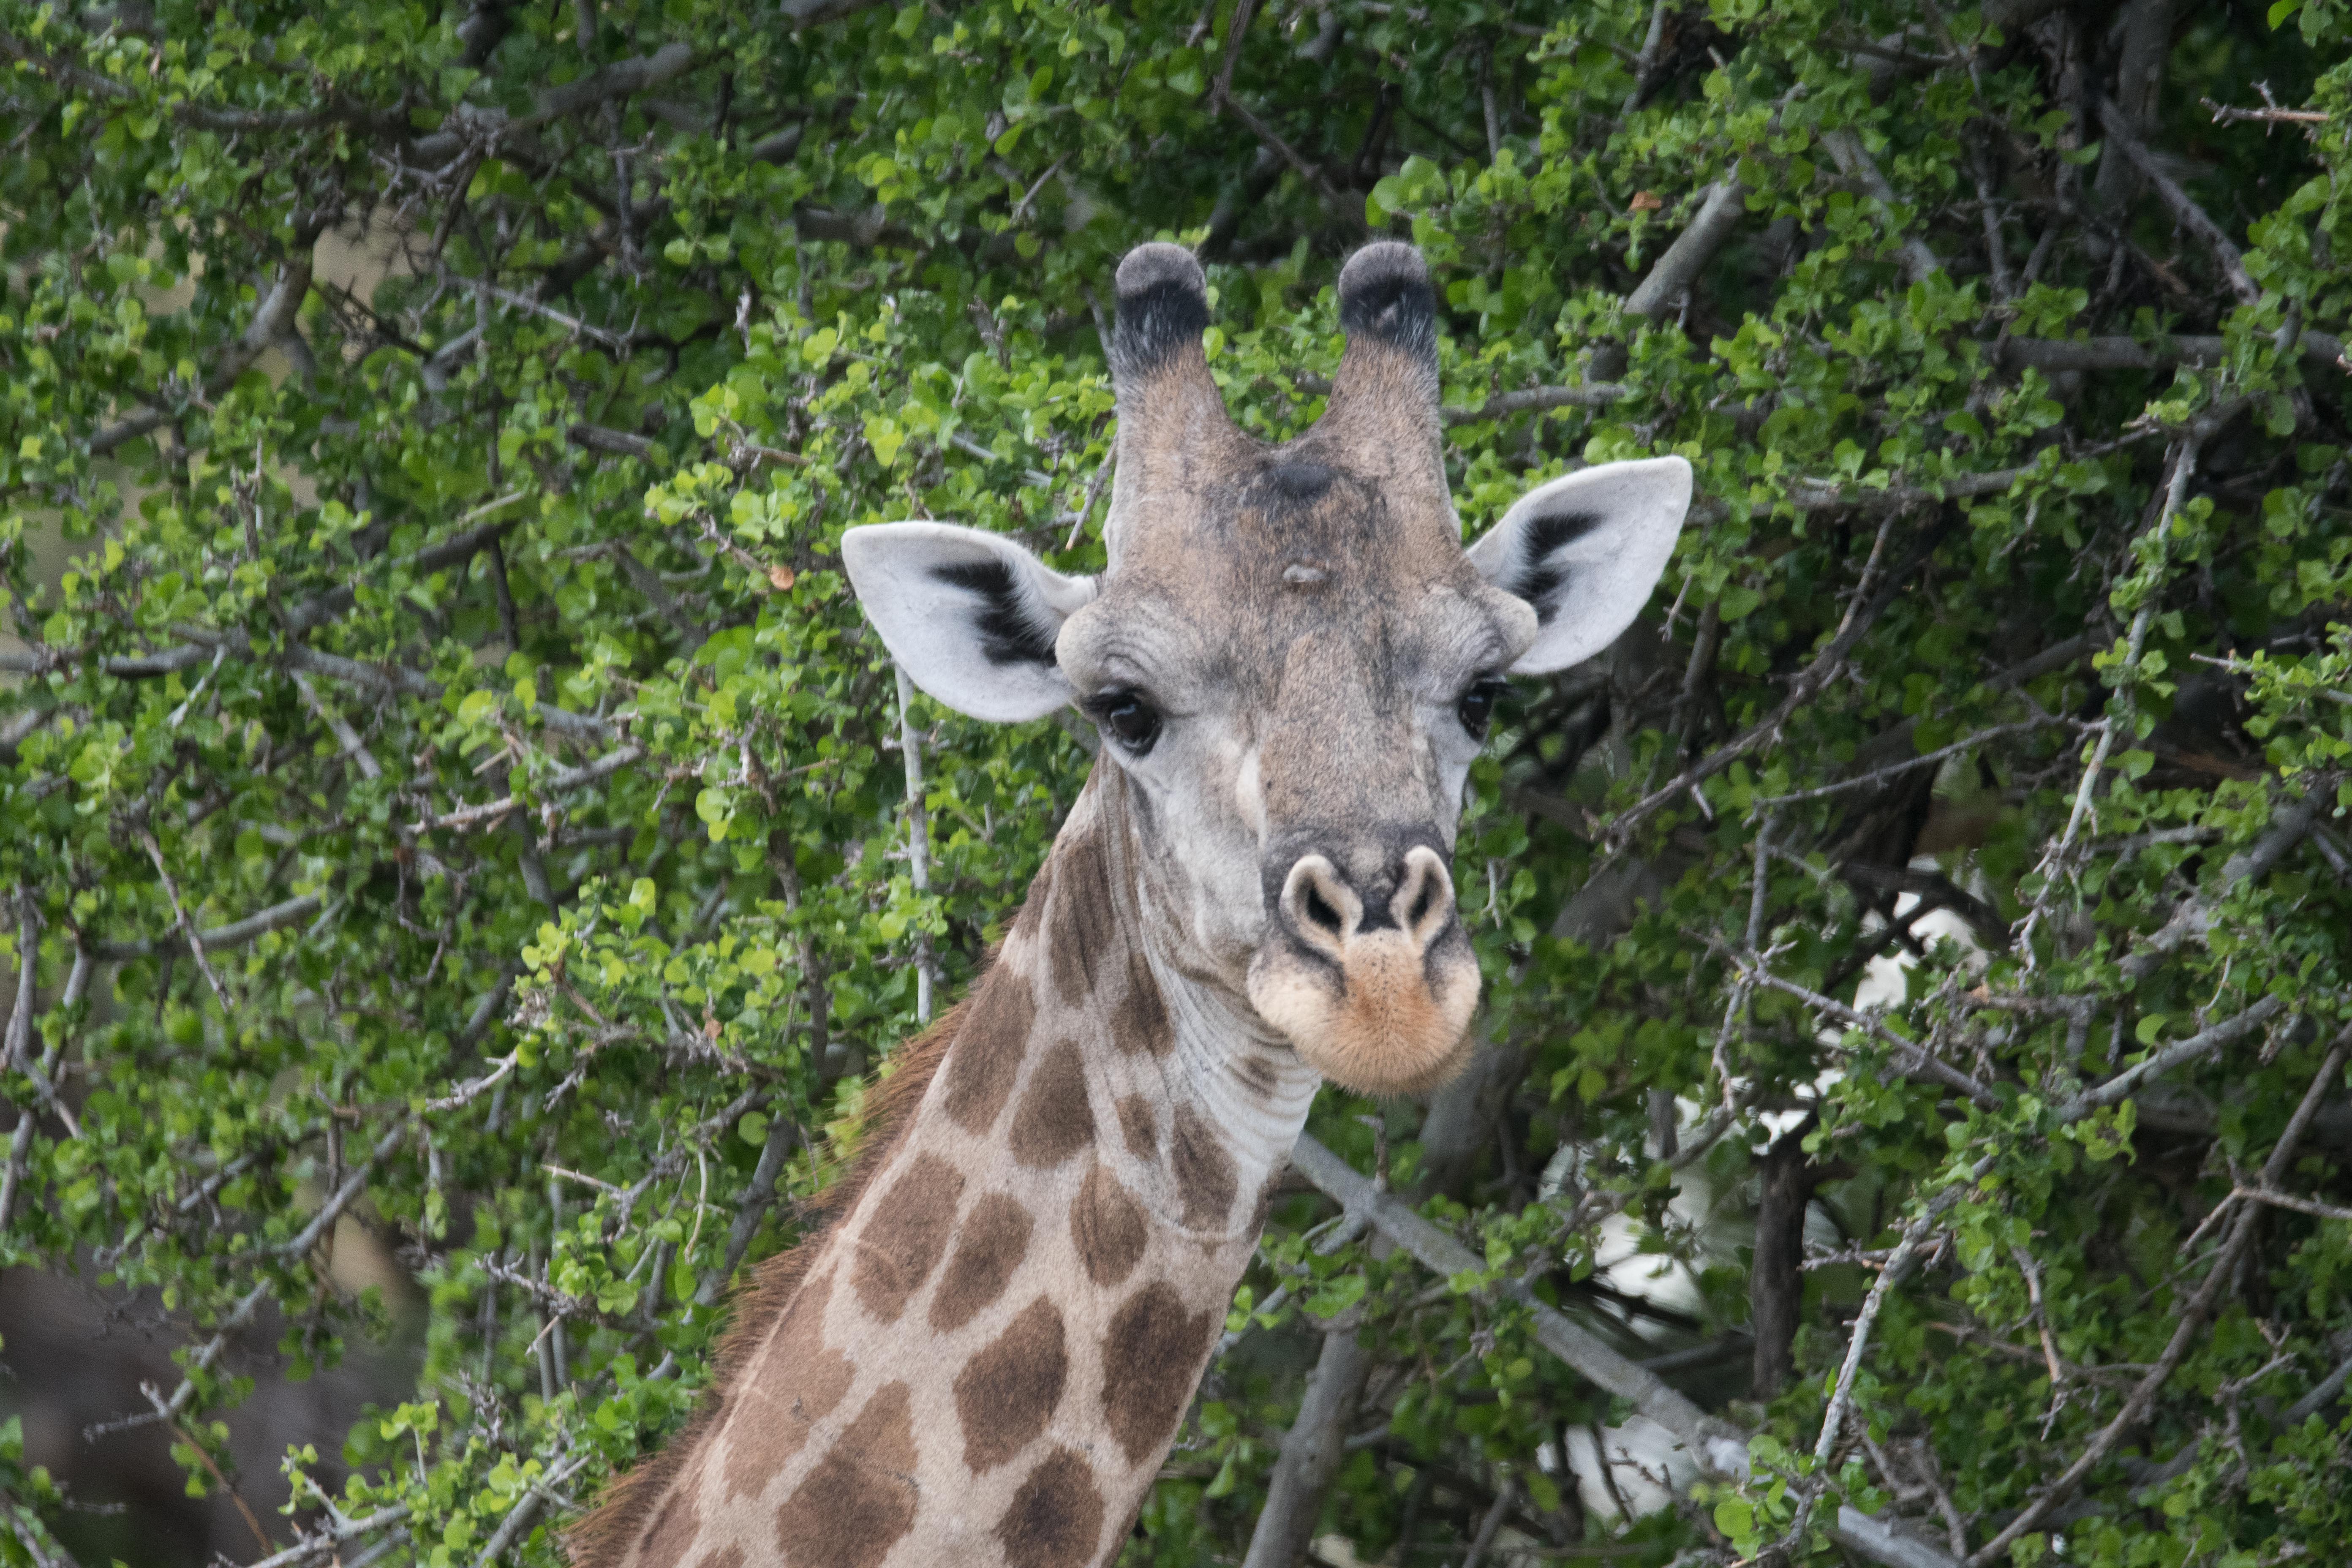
{"x": 969, "y": 617}
{"x": 1585, "y": 550}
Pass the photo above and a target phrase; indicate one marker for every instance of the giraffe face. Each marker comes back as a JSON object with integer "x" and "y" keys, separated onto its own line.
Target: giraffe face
{"x": 1291, "y": 659}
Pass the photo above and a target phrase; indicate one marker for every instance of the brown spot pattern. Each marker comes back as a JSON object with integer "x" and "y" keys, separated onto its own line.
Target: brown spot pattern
{"x": 856, "y": 1503}
{"x": 1055, "y": 1517}
{"x": 1266, "y": 1195}
{"x": 1151, "y": 1357}
{"x": 901, "y": 1243}
{"x": 672, "y": 1528}
{"x": 1140, "y": 1024}
{"x": 1257, "y": 1072}
{"x": 990, "y": 1245}
{"x": 722, "y": 1557}
{"x": 1107, "y": 1225}
{"x": 1140, "y": 1127}
{"x": 1054, "y": 1118}
{"x": 1082, "y": 916}
{"x": 1005, "y": 1396}
{"x": 986, "y": 1056}
{"x": 1206, "y": 1177}
{"x": 795, "y": 1384}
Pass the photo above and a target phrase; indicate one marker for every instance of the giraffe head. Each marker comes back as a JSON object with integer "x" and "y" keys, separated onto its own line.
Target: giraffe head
{"x": 1291, "y": 659}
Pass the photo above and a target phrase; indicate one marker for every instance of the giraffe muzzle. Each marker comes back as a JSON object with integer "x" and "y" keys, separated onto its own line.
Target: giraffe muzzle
{"x": 1377, "y": 999}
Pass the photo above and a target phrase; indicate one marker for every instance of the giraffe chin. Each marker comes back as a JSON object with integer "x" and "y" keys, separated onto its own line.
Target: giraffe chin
{"x": 1386, "y": 1018}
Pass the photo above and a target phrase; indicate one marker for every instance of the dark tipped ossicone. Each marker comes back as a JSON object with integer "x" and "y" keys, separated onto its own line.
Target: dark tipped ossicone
{"x": 1163, "y": 306}
{"x": 1384, "y": 296}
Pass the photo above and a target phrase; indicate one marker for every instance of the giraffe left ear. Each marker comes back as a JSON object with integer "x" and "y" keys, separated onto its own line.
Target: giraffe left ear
{"x": 969, "y": 617}
{"x": 1585, "y": 550}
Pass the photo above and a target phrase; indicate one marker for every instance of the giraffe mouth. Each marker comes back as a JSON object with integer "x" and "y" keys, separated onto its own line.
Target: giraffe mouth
{"x": 1379, "y": 1002}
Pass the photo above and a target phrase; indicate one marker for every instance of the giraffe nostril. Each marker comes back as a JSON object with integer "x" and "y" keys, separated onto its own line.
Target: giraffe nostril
{"x": 1319, "y": 907}
{"x": 1323, "y": 914}
{"x": 1430, "y": 890}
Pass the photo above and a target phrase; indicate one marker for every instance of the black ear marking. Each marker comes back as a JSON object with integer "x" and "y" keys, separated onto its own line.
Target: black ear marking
{"x": 1009, "y": 633}
{"x": 1384, "y": 295}
{"x": 1163, "y": 305}
{"x": 1538, "y": 574}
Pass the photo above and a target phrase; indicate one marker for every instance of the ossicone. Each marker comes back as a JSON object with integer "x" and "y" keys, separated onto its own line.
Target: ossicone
{"x": 1163, "y": 310}
{"x": 1172, "y": 425}
{"x": 1385, "y": 298}
{"x": 1385, "y": 398}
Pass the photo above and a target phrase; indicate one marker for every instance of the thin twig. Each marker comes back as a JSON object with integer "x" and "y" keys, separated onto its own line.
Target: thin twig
{"x": 2190, "y": 1325}
{"x": 187, "y": 928}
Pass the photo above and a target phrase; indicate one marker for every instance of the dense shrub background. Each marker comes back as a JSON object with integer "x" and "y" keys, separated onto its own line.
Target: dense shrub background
{"x": 449, "y": 414}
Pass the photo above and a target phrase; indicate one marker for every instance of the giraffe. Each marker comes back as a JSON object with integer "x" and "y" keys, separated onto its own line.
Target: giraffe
{"x": 1292, "y": 661}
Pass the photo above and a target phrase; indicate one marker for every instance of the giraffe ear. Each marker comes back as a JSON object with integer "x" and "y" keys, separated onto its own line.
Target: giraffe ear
{"x": 1585, "y": 551}
{"x": 969, "y": 617}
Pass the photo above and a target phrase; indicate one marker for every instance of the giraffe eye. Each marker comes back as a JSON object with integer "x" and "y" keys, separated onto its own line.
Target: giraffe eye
{"x": 1130, "y": 718}
{"x": 1477, "y": 709}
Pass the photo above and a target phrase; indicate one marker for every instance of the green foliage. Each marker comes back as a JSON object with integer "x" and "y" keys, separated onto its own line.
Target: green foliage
{"x": 565, "y": 868}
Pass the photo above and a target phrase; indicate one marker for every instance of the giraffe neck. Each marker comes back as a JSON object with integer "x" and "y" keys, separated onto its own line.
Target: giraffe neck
{"x": 987, "y": 1359}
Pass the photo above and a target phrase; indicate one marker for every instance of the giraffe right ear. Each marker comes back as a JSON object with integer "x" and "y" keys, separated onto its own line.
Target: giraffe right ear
{"x": 969, "y": 617}
{"x": 1585, "y": 551}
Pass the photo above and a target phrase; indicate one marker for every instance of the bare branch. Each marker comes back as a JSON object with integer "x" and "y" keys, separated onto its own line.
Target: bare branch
{"x": 2119, "y": 1087}
{"x": 2229, "y": 114}
{"x": 560, "y": 781}
{"x": 2289, "y": 1201}
{"x": 526, "y": 1506}
{"x": 234, "y": 934}
{"x": 1687, "y": 257}
{"x": 273, "y": 321}
{"x": 2191, "y": 216}
{"x": 1719, "y": 1449}
{"x": 1311, "y": 1452}
{"x": 1924, "y": 759}
{"x": 1917, "y": 1060}
{"x": 330, "y": 1541}
{"x": 20, "y": 1141}
{"x": 468, "y": 126}
{"x": 2318, "y": 350}
{"x": 1853, "y": 159}
{"x": 1809, "y": 681}
{"x": 1841, "y": 1396}
{"x": 619, "y": 443}
{"x": 1536, "y": 399}
{"x": 2195, "y": 917}
{"x": 187, "y": 928}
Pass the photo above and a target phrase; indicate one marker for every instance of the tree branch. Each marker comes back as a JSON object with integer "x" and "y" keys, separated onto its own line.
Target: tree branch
{"x": 2191, "y": 216}
{"x": 1719, "y": 1449}
{"x": 1853, "y": 159}
{"x": 273, "y": 319}
{"x": 2195, "y": 917}
{"x": 1536, "y": 399}
{"x": 2318, "y": 350}
{"x": 1311, "y": 1452}
{"x": 234, "y": 934}
{"x": 1810, "y": 680}
{"x": 1920, "y": 1061}
{"x": 2119, "y": 1087}
{"x": 558, "y": 782}
{"x": 1672, "y": 273}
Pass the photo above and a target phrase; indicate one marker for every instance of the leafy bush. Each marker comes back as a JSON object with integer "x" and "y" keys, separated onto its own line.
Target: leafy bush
{"x": 450, "y": 414}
